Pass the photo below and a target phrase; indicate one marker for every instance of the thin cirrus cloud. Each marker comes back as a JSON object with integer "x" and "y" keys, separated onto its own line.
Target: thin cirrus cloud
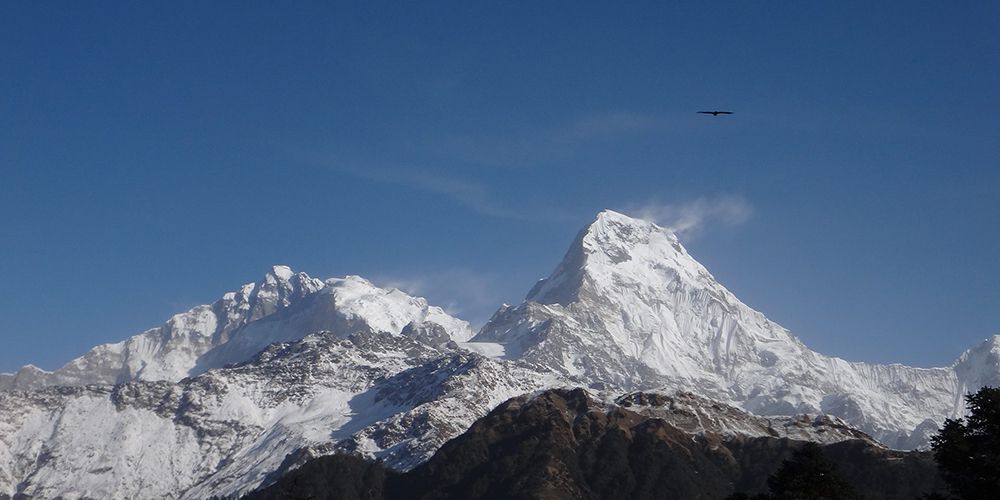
{"x": 464, "y": 293}
{"x": 473, "y": 195}
{"x": 539, "y": 146}
{"x": 690, "y": 218}
{"x": 535, "y": 147}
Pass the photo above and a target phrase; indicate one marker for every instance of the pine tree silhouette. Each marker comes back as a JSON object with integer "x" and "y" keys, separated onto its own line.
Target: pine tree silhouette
{"x": 968, "y": 451}
{"x": 807, "y": 475}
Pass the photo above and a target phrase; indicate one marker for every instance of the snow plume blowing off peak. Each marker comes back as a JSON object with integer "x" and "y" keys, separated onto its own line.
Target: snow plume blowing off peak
{"x": 688, "y": 219}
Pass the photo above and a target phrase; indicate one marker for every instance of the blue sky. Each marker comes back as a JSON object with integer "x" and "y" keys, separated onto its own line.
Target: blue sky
{"x": 153, "y": 157}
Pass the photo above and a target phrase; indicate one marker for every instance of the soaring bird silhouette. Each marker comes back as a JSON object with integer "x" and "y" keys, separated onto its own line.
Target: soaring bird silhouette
{"x": 715, "y": 113}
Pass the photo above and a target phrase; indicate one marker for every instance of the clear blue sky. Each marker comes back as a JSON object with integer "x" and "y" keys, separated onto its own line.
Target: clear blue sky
{"x": 153, "y": 157}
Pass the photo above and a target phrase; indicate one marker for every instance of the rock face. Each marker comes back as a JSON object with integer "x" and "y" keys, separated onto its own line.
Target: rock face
{"x": 567, "y": 444}
{"x": 629, "y": 308}
{"x": 230, "y": 396}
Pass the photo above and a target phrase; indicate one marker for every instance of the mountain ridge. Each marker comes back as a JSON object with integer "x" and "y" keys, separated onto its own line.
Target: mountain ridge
{"x": 229, "y": 396}
{"x": 567, "y": 444}
{"x": 194, "y": 341}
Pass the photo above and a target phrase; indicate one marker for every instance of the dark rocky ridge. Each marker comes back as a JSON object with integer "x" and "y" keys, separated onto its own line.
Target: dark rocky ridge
{"x": 563, "y": 444}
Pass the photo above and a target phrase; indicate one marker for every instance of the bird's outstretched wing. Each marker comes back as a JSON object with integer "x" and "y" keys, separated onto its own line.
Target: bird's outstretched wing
{"x": 715, "y": 113}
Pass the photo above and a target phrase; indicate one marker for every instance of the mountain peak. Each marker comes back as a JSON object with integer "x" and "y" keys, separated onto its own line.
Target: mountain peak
{"x": 616, "y": 223}
{"x": 618, "y": 236}
{"x": 612, "y": 215}
{"x": 282, "y": 272}
{"x": 615, "y": 246}
{"x": 989, "y": 344}
{"x": 352, "y": 279}
{"x": 980, "y": 365}
{"x": 607, "y": 213}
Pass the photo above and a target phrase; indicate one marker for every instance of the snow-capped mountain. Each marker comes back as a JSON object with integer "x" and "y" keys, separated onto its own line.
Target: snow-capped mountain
{"x": 282, "y": 306}
{"x": 226, "y": 431}
{"x": 629, "y": 308}
{"x": 228, "y": 396}
{"x": 979, "y": 366}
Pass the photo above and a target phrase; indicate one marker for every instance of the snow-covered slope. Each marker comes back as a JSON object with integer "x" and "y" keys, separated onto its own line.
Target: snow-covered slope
{"x": 283, "y": 306}
{"x": 699, "y": 415}
{"x": 979, "y": 366}
{"x": 629, "y": 308}
{"x": 224, "y": 432}
{"x": 392, "y": 397}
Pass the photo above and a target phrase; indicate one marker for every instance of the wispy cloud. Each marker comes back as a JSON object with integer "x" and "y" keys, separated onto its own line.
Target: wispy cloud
{"x": 610, "y": 124}
{"x": 464, "y": 293}
{"x": 471, "y": 194}
{"x": 533, "y": 147}
{"x": 561, "y": 143}
{"x": 690, "y": 218}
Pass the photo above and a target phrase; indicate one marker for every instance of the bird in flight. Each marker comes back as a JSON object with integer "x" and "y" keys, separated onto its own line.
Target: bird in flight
{"x": 715, "y": 113}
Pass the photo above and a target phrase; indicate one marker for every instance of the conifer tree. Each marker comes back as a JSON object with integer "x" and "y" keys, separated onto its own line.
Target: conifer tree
{"x": 967, "y": 451}
{"x": 807, "y": 475}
